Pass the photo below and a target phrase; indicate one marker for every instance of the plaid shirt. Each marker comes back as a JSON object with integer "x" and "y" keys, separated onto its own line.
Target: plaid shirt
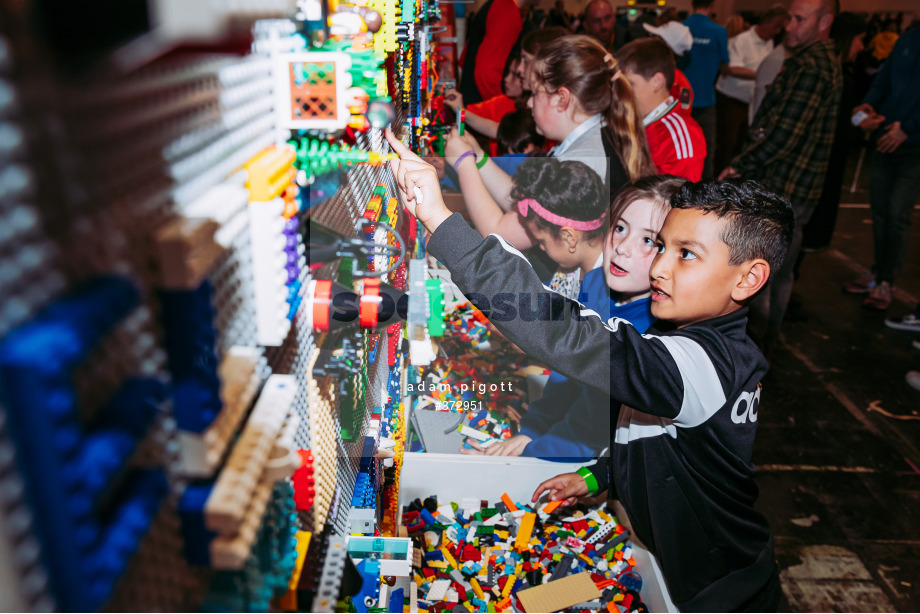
{"x": 789, "y": 144}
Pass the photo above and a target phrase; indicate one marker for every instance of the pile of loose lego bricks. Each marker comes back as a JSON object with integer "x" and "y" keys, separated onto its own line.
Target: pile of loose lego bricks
{"x": 469, "y": 365}
{"x": 514, "y": 557}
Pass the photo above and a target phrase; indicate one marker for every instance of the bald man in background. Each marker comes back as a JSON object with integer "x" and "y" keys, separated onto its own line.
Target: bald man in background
{"x": 788, "y": 146}
{"x": 600, "y": 22}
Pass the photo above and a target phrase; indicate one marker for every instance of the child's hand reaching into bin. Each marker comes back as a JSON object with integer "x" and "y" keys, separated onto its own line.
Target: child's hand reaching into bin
{"x": 567, "y": 488}
{"x": 418, "y": 183}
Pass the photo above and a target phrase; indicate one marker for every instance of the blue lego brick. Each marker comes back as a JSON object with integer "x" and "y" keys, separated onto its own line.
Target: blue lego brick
{"x": 195, "y": 535}
{"x": 396, "y": 601}
{"x": 191, "y": 341}
{"x": 369, "y": 594}
{"x": 135, "y": 509}
{"x": 63, "y": 333}
{"x": 427, "y": 517}
{"x": 367, "y": 453}
{"x": 89, "y": 515}
{"x": 135, "y": 405}
{"x": 364, "y": 495}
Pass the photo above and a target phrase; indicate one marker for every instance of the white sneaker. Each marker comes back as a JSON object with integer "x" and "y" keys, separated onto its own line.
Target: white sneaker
{"x": 910, "y": 322}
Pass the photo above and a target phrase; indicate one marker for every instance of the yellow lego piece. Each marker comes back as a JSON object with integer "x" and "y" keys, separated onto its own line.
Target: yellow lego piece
{"x": 438, "y": 564}
{"x": 508, "y": 586}
{"x": 525, "y": 531}
{"x": 289, "y": 600}
{"x": 450, "y": 559}
{"x": 477, "y": 589}
{"x": 270, "y": 173}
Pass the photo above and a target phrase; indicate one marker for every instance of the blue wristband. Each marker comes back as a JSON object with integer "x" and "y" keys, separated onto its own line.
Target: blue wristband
{"x": 462, "y": 157}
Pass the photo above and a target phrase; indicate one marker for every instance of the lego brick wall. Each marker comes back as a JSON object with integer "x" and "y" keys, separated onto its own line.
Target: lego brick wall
{"x": 92, "y": 164}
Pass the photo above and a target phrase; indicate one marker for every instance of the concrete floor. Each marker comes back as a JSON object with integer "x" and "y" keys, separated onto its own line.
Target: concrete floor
{"x": 839, "y": 481}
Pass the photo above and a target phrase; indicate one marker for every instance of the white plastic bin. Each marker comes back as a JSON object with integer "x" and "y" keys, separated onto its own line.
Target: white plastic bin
{"x": 452, "y": 477}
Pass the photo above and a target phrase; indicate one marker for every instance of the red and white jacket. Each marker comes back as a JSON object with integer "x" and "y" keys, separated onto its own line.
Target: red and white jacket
{"x": 676, "y": 141}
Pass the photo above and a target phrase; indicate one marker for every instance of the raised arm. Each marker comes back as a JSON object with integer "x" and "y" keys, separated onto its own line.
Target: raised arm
{"x": 486, "y": 215}
{"x": 615, "y": 358}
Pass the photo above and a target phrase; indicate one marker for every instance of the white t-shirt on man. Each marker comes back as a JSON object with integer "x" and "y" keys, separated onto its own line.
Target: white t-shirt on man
{"x": 746, "y": 50}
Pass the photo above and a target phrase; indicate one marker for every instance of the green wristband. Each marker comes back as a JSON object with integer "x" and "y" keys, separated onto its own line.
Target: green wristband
{"x": 590, "y": 480}
{"x": 482, "y": 162}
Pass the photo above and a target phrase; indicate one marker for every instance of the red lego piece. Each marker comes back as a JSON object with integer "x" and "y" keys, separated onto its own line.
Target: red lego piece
{"x": 470, "y": 553}
{"x": 304, "y": 482}
{"x": 460, "y": 591}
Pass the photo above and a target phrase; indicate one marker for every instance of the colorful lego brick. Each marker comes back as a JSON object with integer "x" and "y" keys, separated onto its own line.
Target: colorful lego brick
{"x": 289, "y": 600}
{"x": 224, "y": 204}
{"x": 304, "y": 482}
{"x": 323, "y": 429}
{"x": 230, "y": 551}
{"x": 362, "y": 521}
{"x": 310, "y": 90}
{"x": 284, "y": 459}
{"x": 525, "y": 531}
{"x": 559, "y": 594}
{"x": 196, "y": 537}
{"x": 200, "y": 453}
{"x": 509, "y": 503}
{"x": 395, "y": 554}
{"x": 331, "y": 579}
{"x": 190, "y": 338}
{"x": 187, "y": 250}
{"x": 239, "y": 478}
{"x": 270, "y": 172}
{"x": 89, "y": 514}
{"x": 269, "y": 270}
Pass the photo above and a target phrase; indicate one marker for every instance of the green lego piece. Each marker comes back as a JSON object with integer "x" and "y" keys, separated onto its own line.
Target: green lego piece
{"x": 436, "y": 325}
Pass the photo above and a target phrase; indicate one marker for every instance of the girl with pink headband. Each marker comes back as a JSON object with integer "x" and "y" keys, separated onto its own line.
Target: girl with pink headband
{"x": 563, "y": 207}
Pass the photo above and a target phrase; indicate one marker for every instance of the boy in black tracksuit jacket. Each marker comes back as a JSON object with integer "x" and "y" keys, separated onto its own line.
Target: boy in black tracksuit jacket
{"x": 689, "y": 388}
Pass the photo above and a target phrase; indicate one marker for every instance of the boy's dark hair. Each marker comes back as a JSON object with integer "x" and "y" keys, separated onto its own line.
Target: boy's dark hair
{"x": 516, "y": 131}
{"x": 702, "y": 4}
{"x": 568, "y": 188}
{"x": 646, "y": 57}
{"x": 760, "y": 222}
